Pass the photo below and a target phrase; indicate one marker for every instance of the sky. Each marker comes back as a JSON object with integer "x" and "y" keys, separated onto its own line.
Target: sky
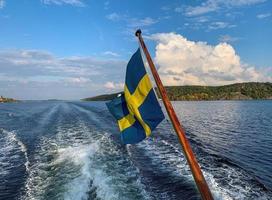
{"x": 72, "y": 49}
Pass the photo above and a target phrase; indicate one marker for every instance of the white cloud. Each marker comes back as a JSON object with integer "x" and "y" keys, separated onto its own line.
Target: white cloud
{"x": 130, "y": 24}
{"x": 227, "y": 38}
{"x": 241, "y": 2}
{"x": 178, "y": 9}
{"x": 78, "y": 3}
{"x": 110, "y": 53}
{"x": 62, "y": 77}
{"x": 185, "y": 62}
{"x": 206, "y": 23}
{"x": 215, "y": 5}
{"x": 263, "y": 15}
{"x": 206, "y": 7}
{"x": 114, "y": 86}
{"x": 78, "y": 80}
{"x": 202, "y": 19}
{"x": 135, "y": 22}
{"x": 114, "y": 17}
{"x": 166, "y": 8}
{"x": 220, "y": 25}
{"x": 2, "y": 4}
{"x": 131, "y": 21}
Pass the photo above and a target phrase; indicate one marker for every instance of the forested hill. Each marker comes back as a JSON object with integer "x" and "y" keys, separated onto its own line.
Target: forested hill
{"x": 226, "y": 92}
{"x": 238, "y": 91}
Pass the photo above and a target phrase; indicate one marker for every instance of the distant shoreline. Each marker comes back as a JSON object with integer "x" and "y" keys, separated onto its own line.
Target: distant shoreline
{"x": 7, "y": 100}
{"x": 237, "y": 91}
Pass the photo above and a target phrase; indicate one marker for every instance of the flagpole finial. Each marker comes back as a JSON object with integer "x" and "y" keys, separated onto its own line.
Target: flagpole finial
{"x": 138, "y": 32}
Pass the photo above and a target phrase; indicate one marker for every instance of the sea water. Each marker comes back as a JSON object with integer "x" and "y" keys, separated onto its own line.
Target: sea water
{"x": 70, "y": 150}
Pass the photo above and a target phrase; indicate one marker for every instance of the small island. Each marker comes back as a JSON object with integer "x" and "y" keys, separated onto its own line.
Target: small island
{"x": 7, "y": 100}
{"x": 103, "y": 97}
{"x": 237, "y": 91}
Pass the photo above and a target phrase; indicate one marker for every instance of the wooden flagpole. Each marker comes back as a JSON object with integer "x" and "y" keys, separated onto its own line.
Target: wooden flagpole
{"x": 191, "y": 159}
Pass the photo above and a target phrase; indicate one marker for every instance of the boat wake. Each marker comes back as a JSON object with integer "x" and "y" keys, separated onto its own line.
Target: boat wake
{"x": 68, "y": 152}
{"x": 81, "y": 163}
{"x": 14, "y": 162}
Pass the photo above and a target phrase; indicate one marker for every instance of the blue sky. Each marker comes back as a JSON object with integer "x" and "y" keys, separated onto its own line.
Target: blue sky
{"x": 70, "y": 49}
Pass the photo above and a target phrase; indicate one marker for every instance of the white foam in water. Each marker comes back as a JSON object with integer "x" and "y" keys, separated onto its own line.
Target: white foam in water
{"x": 79, "y": 187}
{"x": 24, "y": 150}
{"x": 217, "y": 191}
{"x": 238, "y": 186}
{"x": 233, "y": 189}
{"x": 13, "y": 140}
{"x": 36, "y": 183}
{"x": 167, "y": 156}
{"x": 73, "y": 165}
{"x": 76, "y": 163}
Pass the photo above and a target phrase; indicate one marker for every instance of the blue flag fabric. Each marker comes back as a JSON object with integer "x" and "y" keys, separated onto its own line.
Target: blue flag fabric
{"x": 137, "y": 110}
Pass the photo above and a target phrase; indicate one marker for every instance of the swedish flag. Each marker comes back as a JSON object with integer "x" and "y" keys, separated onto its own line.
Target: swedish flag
{"x": 137, "y": 110}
